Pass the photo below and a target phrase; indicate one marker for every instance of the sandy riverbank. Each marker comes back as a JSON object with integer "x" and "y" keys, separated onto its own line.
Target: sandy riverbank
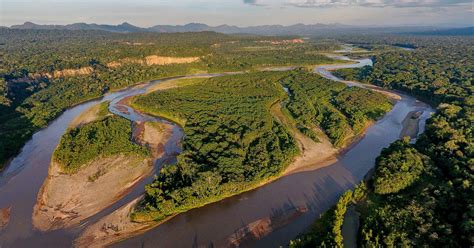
{"x": 64, "y": 200}
{"x": 313, "y": 154}
{"x": 411, "y": 124}
{"x": 112, "y": 228}
{"x": 179, "y": 82}
{"x": 4, "y": 217}
{"x": 90, "y": 115}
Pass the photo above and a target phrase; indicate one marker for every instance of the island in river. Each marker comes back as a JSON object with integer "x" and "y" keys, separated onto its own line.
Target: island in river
{"x": 80, "y": 185}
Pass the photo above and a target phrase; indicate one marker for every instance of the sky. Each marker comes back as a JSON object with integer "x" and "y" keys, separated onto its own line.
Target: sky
{"x": 146, "y": 13}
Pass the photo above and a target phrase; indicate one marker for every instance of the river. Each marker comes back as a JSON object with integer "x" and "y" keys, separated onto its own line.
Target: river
{"x": 210, "y": 225}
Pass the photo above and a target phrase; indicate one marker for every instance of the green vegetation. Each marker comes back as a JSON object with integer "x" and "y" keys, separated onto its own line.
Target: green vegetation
{"x": 398, "y": 167}
{"x": 398, "y": 211}
{"x": 105, "y": 137}
{"x": 387, "y": 219}
{"x": 231, "y": 57}
{"x": 31, "y": 96}
{"x": 231, "y": 142}
{"x": 340, "y": 111}
{"x": 103, "y": 109}
{"x": 422, "y": 194}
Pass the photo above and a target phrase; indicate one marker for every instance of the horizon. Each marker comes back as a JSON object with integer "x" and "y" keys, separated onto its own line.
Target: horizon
{"x": 243, "y": 26}
{"x": 241, "y": 13}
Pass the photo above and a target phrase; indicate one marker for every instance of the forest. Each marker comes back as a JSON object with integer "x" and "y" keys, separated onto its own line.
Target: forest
{"x": 35, "y": 86}
{"x": 99, "y": 139}
{"x": 232, "y": 142}
{"x": 420, "y": 194}
{"x": 341, "y": 112}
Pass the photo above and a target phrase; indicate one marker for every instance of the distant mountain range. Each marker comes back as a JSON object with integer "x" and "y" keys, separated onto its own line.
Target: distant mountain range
{"x": 451, "y": 31}
{"x": 297, "y": 29}
{"x": 121, "y": 28}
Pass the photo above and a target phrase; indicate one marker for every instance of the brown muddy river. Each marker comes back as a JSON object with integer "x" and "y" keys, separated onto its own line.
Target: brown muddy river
{"x": 214, "y": 224}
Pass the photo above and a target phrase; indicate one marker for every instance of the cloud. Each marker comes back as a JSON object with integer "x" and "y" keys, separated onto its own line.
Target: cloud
{"x": 376, "y": 3}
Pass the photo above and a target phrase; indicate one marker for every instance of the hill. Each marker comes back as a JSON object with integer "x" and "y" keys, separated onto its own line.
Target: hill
{"x": 296, "y": 29}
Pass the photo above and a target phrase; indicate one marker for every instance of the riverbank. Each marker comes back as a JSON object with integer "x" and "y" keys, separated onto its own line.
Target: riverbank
{"x": 65, "y": 200}
{"x": 93, "y": 113}
{"x": 411, "y": 125}
{"x": 4, "y": 217}
{"x": 313, "y": 155}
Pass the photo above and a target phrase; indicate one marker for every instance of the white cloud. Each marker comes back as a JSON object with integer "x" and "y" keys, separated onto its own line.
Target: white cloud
{"x": 377, "y": 3}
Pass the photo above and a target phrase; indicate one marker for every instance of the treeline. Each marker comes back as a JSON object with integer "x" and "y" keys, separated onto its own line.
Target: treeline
{"x": 422, "y": 194}
{"x": 342, "y": 112}
{"x": 104, "y": 137}
{"x": 30, "y": 98}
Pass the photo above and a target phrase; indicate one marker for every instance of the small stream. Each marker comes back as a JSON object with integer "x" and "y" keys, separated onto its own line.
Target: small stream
{"x": 210, "y": 225}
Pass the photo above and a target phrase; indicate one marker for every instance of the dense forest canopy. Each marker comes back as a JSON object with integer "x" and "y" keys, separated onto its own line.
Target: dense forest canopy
{"x": 420, "y": 194}
{"x": 105, "y": 137}
{"x": 340, "y": 111}
{"x": 231, "y": 140}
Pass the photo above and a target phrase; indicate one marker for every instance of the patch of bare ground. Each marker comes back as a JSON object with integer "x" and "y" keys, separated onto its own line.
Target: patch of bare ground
{"x": 313, "y": 154}
{"x": 4, "y": 217}
{"x": 411, "y": 124}
{"x": 66, "y": 199}
{"x": 175, "y": 83}
{"x": 113, "y": 228}
{"x": 153, "y": 60}
{"x": 88, "y": 116}
{"x": 392, "y": 95}
{"x": 282, "y": 42}
{"x": 152, "y": 135}
{"x": 73, "y": 72}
